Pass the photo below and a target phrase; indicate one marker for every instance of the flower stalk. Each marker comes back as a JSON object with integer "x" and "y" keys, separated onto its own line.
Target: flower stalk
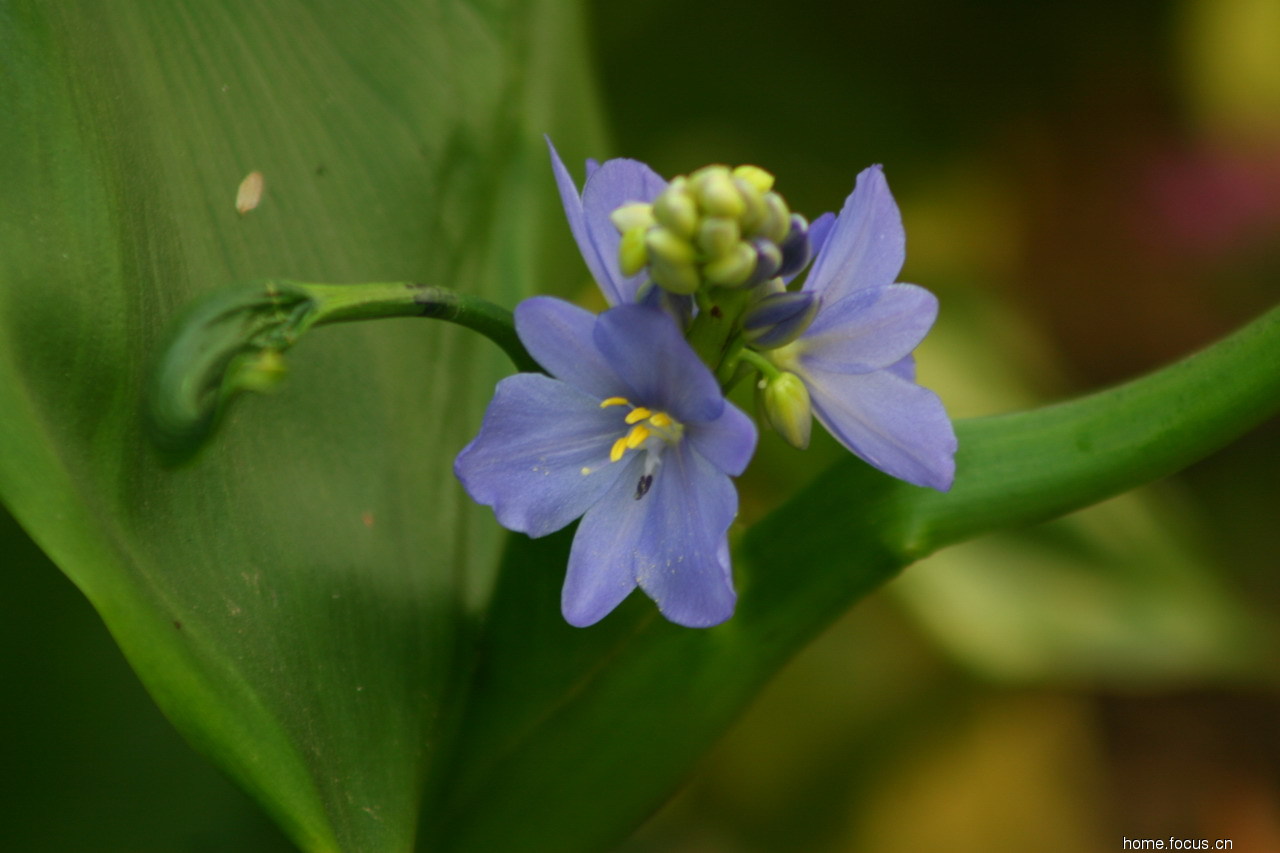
{"x": 233, "y": 341}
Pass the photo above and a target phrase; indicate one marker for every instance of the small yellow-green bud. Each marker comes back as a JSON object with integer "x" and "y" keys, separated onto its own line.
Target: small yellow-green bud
{"x": 675, "y": 277}
{"x": 777, "y": 219}
{"x": 753, "y": 208}
{"x": 666, "y": 245}
{"x": 718, "y": 195}
{"x": 676, "y": 208}
{"x": 757, "y": 177}
{"x": 717, "y": 236}
{"x": 787, "y": 407}
{"x": 635, "y": 215}
{"x": 701, "y": 176}
{"x": 261, "y": 372}
{"x": 632, "y": 252}
{"x": 734, "y": 268}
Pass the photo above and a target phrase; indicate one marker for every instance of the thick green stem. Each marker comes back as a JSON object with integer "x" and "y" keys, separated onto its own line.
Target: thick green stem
{"x": 340, "y": 303}
{"x": 1030, "y": 466}
{"x": 719, "y": 311}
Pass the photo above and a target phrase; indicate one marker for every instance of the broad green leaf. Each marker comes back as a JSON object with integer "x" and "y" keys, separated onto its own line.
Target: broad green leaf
{"x": 91, "y": 765}
{"x": 294, "y": 599}
{"x": 574, "y": 735}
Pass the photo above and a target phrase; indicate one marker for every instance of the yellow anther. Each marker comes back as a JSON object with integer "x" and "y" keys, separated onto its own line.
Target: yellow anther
{"x": 637, "y": 436}
{"x": 614, "y": 401}
{"x": 660, "y": 419}
{"x": 639, "y": 413}
{"x": 619, "y": 448}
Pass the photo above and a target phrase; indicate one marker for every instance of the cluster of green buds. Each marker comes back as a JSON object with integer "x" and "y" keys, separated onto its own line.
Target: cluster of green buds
{"x": 715, "y": 227}
{"x": 725, "y": 233}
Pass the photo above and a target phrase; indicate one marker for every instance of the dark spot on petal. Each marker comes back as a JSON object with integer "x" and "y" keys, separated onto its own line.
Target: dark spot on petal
{"x": 642, "y": 487}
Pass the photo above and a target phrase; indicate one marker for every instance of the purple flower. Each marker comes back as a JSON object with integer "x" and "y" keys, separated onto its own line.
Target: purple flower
{"x": 609, "y": 186}
{"x": 855, "y": 358}
{"x": 634, "y": 435}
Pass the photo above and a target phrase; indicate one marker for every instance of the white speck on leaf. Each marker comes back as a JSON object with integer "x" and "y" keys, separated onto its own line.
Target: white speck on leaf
{"x": 249, "y": 193}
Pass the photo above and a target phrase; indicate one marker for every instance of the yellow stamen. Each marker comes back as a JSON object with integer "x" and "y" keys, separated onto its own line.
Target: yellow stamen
{"x": 636, "y": 437}
{"x": 639, "y": 413}
{"x": 614, "y": 401}
{"x": 619, "y": 448}
{"x": 660, "y": 419}
{"x": 586, "y": 471}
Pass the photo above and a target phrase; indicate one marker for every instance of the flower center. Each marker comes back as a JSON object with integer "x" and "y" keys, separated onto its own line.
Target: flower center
{"x": 716, "y": 226}
{"x": 650, "y": 430}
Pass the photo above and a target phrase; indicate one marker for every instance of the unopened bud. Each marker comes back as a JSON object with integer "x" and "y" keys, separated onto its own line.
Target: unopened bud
{"x": 733, "y": 269}
{"x": 675, "y": 277}
{"x": 718, "y": 195}
{"x": 768, "y": 260}
{"x": 779, "y": 319}
{"x": 796, "y": 249}
{"x": 757, "y": 177}
{"x": 717, "y": 236}
{"x": 753, "y": 208}
{"x": 632, "y": 253}
{"x": 676, "y": 208}
{"x": 665, "y": 244}
{"x": 777, "y": 218}
{"x": 635, "y": 215}
{"x": 699, "y": 178}
{"x": 787, "y": 408}
{"x": 261, "y": 372}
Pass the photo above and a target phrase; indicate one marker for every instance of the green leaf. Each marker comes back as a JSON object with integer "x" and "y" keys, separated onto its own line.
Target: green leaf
{"x": 95, "y": 766}
{"x": 294, "y": 600}
{"x": 573, "y": 736}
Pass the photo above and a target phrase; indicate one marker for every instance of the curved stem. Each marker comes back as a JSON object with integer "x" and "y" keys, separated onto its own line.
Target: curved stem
{"x": 231, "y": 341}
{"x": 1030, "y": 466}
{"x": 340, "y": 303}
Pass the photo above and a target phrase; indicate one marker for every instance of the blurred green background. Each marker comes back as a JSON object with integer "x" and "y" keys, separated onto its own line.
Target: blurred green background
{"x": 1092, "y": 189}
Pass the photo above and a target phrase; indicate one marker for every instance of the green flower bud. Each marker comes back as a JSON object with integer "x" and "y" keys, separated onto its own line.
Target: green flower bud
{"x": 665, "y": 244}
{"x": 777, "y": 219}
{"x": 261, "y": 372}
{"x": 718, "y": 195}
{"x": 734, "y": 268}
{"x": 787, "y": 408}
{"x": 676, "y": 208}
{"x": 717, "y": 236}
{"x": 706, "y": 173}
{"x": 635, "y": 215}
{"x": 632, "y": 252}
{"x": 757, "y": 177}
{"x": 675, "y": 277}
{"x": 753, "y": 207}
